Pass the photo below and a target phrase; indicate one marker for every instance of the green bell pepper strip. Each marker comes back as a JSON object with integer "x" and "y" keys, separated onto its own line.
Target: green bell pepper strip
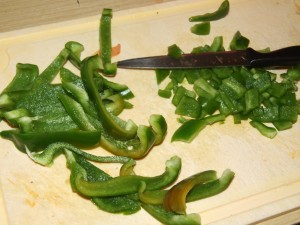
{"x": 211, "y": 188}
{"x": 75, "y": 49}
{"x": 73, "y": 85}
{"x": 37, "y": 141}
{"x": 175, "y": 198}
{"x": 190, "y": 129}
{"x": 47, "y": 155}
{"x": 266, "y": 131}
{"x": 220, "y": 13}
{"x": 76, "y": 112}
{"x": 171, "y": 218}
{"x": 89, "y": 67}
{"x": 127, "y": 168}
{"x": 188, "y": 190}
{"x": 119, "y": 204}
{"x": 105, "y": 42}
{"x": 128, "y": 184}
{"x": 53, "y": 69}
{"x": 114, "y": 104}
{"x": 159, "y": 126}
{"x": 201, "y": 28}
{"x": 139, "y": 146}
{"x": 153, "y": 197}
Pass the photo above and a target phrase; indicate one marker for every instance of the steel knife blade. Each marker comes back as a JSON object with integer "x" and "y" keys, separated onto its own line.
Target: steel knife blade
{"x": 289, "y": 56}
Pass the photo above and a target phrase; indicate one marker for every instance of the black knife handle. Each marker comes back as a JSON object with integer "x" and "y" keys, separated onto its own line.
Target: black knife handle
{"x": 289, "y": 56}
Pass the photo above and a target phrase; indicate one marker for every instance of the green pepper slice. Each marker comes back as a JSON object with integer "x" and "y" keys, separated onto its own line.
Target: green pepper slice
{"x": 221, "y": 12}
{"x": 128, "y": 184}
{"x": 127, "y": 131}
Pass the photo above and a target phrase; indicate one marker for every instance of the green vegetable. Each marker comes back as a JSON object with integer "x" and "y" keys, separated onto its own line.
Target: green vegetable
{"x": 212, "y": 94}
{"x": 128, "y": 184}
{"x": 105, "y": 42}
{"x": 201, "y": 28}
{"x": 191, "y": 128}
{"x": 239, "y": 42}
{"x": 175, "y": 198}
{"x": 174, "y": 51}
{"x": 170, "y": 218}
{"x": 221, "y": 12}
{"x": 269, "y": 132}
{"x": 81, "y": 112}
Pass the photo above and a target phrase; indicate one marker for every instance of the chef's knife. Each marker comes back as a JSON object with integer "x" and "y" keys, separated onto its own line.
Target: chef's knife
{"x": 289, "y": 56}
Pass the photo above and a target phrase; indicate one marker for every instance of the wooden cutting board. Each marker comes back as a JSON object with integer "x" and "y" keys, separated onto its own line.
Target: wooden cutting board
{"x": 267, "y": 171}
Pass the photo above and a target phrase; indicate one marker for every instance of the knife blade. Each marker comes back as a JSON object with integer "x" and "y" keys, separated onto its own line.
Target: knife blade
{"x": 284, "y": 57}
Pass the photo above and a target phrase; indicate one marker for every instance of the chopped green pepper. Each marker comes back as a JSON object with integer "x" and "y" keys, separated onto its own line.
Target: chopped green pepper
{"x": 105, "y": 42}
{"x": 124, "y": 131}
{"x": 201, "y": 28}
{"x": 221, "y": 12}
{"x": 171, "y": 218}
{"x": 128, "y": 184}
{"x": 239, "y": 42}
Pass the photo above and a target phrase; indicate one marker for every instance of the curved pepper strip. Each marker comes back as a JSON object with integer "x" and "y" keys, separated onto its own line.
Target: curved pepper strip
{"x": 74, "y": 86}
{"x": 127, "y": 168}
{"x": 105, "y": 42}
{"x": 138, "y": 147}
{"x": 76, "y": 112}
{"x": 128, "y": 184}
{"x": 211, "y": 188}
{"x": 46, "y": 157}
{"x": 75, "y": 49}
{"x": 126, "y": 204}
{"x": 190, "y": 129}
{"x": 171, "y": 218}
{"x": 221, "y": 12}
{"x": 37, "y": 141}
{"x": 188, "y": 190}
{"x": 88, "y": 68}
{"x": 175, "y": 199}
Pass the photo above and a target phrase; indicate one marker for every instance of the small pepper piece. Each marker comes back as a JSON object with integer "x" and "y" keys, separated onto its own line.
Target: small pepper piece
{"x": 46, "y": 157}
{"x": 175, "y": 198}
{"x": 201, "y": 28}
{"x": 125, "y": 131}
{"x": 239, "y": 42}
{"x": 190, "y": 129}
{"x": 105, "y": 42}
{"x": 221, "y": 12}
{"x": 171, "y": 218}
{"x": 266, "y": 131}
{"x": 174, "y": 51}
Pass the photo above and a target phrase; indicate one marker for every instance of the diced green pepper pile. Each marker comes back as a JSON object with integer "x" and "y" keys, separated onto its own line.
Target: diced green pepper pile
{"x": 205, "y": 96}
{"x": 82, "y": 112}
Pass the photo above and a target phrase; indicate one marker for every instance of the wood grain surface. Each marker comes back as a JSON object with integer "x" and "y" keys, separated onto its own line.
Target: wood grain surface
{"x": 18, "y": 14}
